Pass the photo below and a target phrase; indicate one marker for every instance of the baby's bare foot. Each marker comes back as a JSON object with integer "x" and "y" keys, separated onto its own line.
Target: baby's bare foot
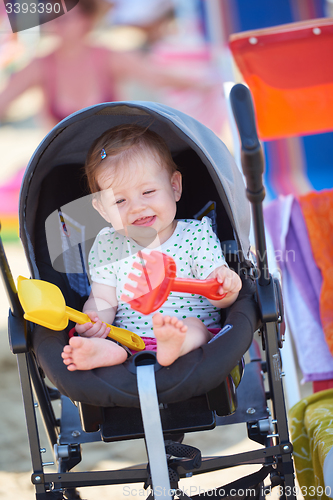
{"x": 170, "y": 333}
{"x": 84, "y": 353}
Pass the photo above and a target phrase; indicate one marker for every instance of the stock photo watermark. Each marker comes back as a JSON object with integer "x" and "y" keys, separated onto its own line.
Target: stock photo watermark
{"x": 26, "y": 14}
{"x": 313, "y": 491}
{"x": 159, "y": 491}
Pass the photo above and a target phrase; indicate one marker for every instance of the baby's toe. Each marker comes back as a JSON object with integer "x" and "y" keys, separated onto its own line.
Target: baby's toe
{"x": 67, "y": 361}
{"x": 71, "y": 368}
{"x": 158, "y": 320}
{"x": 76, "y": 342}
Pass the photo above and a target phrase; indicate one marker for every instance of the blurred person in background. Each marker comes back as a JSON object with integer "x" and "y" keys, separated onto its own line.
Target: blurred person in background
{"x": 176, "y": 38}
{"x": 78, "y": 74}
{"x": 155, "y": 18}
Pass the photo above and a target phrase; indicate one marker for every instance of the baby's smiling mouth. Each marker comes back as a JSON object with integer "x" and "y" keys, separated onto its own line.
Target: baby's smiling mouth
{"x": 145, "y": 221}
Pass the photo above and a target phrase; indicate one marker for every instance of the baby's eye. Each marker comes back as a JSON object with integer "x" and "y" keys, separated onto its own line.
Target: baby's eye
{"x": 120, "y": 201}
{"x": 149, "y": 191}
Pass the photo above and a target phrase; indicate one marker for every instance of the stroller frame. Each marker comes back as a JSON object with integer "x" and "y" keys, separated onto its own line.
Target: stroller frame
{"x": 275, "y": 457}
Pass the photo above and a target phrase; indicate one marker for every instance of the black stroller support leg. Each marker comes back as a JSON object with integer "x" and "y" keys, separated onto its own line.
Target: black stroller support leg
{"x": 37, "y": 477}
{"x": 285, "y": 468}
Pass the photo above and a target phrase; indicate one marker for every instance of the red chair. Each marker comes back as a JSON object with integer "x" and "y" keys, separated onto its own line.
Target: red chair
{"x": 289, "y": 70}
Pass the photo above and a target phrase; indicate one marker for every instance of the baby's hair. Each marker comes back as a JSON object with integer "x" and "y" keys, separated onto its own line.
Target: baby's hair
{"x": 121, "y": 144}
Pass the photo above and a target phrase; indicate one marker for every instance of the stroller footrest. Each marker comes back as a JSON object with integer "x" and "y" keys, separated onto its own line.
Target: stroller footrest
{"x": 126, "y": 423}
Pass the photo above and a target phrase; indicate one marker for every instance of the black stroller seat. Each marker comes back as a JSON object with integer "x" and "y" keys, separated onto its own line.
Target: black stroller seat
{"x": 199, "y": 389}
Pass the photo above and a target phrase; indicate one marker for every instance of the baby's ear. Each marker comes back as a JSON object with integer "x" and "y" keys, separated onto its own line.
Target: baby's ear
{"x": 176, "y": 183}
{"x": 97, "y": 204}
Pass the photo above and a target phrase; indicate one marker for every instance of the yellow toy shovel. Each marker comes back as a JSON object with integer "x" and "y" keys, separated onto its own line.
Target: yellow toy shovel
{"x": 44, "y": 304}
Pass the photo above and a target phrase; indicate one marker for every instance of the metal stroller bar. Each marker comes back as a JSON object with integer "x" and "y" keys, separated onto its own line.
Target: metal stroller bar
{"x": 27, "y": 373}
{"x": 9, "y": 284}
{"x": 253, "y": 167}
{"x": 152, "y": 426}
{"x": 267, "y": 289}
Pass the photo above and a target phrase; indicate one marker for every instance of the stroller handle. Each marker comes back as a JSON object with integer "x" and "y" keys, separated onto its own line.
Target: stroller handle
{"x": 251, "y": 155}
{"x": 253, "y": 167}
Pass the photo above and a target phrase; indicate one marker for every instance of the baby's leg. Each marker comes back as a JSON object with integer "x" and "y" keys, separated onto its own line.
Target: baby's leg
{"x": 175, "y": 338}
{"x": 84, "y": 353}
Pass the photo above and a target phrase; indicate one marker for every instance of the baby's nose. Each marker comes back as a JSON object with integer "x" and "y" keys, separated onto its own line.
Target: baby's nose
{"x": 137, "y": 206}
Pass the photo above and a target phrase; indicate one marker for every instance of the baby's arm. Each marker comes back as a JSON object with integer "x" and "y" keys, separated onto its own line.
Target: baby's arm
{"x": 230, "y": 284}
{"x": 101, "y": 308}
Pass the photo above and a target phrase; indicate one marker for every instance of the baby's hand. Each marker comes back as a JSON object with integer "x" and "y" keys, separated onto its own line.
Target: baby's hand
{"x": 230, "y": 281}
{"x": 94, "y": 329}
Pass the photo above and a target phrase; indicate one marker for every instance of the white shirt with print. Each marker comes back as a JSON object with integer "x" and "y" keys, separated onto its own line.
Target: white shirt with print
{"x": 197, "y": 252}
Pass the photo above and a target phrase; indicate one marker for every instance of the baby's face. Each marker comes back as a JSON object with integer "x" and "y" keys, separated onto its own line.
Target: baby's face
{"x": 138, "y": 196}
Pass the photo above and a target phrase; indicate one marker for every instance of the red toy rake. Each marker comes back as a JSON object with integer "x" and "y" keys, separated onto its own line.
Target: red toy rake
{"x": 158, "y": 279}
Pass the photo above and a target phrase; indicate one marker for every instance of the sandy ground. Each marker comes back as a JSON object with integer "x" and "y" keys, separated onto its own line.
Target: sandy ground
{"x": 15, "y": 465}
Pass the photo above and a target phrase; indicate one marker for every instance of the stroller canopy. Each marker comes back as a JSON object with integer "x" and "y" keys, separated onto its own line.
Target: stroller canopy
{"x": 50, "y": 175}
{"x": 69, "y": 141}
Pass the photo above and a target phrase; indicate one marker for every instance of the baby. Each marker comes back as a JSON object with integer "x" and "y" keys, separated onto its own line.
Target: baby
{"x": 136, "y": 185}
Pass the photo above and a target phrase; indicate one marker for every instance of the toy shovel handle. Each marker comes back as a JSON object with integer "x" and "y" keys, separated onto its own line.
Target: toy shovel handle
{"x": 208, "y": 288}
{"x": 128, "y": 339}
